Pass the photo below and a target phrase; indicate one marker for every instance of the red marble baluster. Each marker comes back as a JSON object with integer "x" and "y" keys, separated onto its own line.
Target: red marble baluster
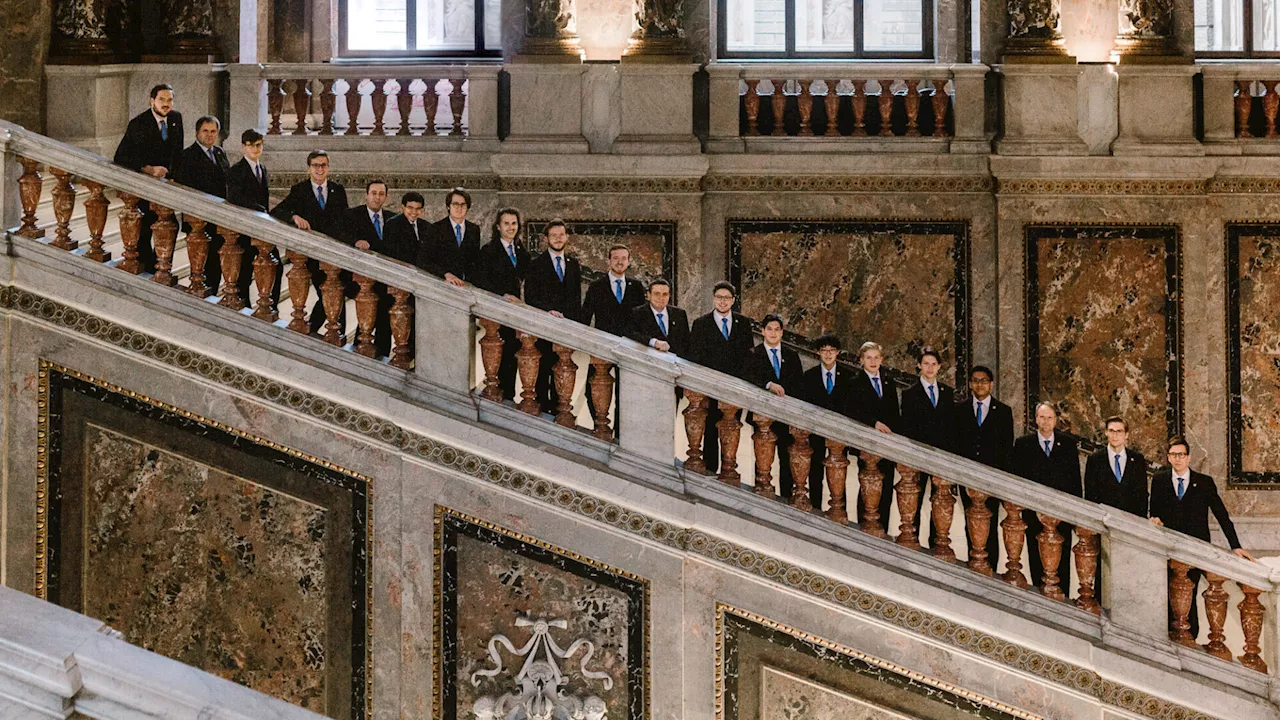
{"x": 379, "y": 100}
{"x": 1014, "y": 537}
{"x": 404, "y": 105}
{"x": 130, "y": 227}
{"x": 941, "y": 101}
{"x": 264, "y": 278}
{"x": 366, "y": 315}
{"x": 805, "y": 103}
{"x": 872, "y": 482}
{"x": 402, "y": 353}
{"x": 457, "y": 103}
{"x": 64, "y": 203}
{"x": 1050, "y": 542}
{"x": 978, "y": 524}
{"x": 527, "y": 359}
{"x": 95, "y": 211}
{"x": 197, "y": 255}
{"x": 1086, "y": 552}
{"x": 695, "y": 418}
{"x": 299, "y": 278}
{"x": 1215, "y": 611}
{"x": 943, "y": 506}
{"x": 29, "y": 193}
{"x": 1244, "y": 107}
{"x": 753, "y": 107}
{"x": 333, "y": 298}
{"x": 831, "y": 101}
{"x": 837, "y": 466}
{"x": 801, "y": 453}
{"x": 491, "y": 360}
{"x": 229, "y": 257}
{"x": 859, "y": 100}
{"x": 730, "y": 428}
{"x": 764, "y": 443}
{"x": 601, "y": 398}
{"x": 1181, "y": 591}
{"x": 275, "y": 105}
{"x": 353, "y": 100}
{"x": 885, "y": 101}
{"x": 908, "y": 493}
{"x": 301, "y": 104}
{"x": 1252, "y": 615}
{"x": 1270, "y": 104}
{"x": 913, "y": 107}
{"x": 430, "y": 103}
{"x": 779, "y": 102}
{"x": 328, "y": 103}
{"x": 164, "y": 236}
{"x": 563, "y": 374}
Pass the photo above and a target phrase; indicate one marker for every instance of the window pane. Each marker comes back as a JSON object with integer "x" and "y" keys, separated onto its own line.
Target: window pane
{"x": 824, "y": 25}
{"x": 1220, "y": 25}
{"x": 758, "y": 25}
{"x": 493, "y": 24}
{"x": 376, "y": 24}
{"x": 1266, "y": 25}
{"x": 892, "y": 25}
{"x": 446, "y": 24}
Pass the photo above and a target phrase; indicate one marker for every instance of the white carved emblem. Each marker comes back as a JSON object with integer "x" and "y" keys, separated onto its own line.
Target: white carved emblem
{"x": 540, "y": 692}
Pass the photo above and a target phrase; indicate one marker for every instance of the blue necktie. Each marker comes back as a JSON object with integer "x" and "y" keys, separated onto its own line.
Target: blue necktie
{"x": 1047, "y": 450}
{"x": 1181, "y": 489}
{"x": 511, "y": 251}
{"x": 377, "y": 224}
{"x": 257, "y": 172}
{"x": 559, "y": 269}
{"x": 164, "y": 130}
{"x": 1119, "y": 472}
{"x": 662, "y": 327}
{"x": 979, "y": 414}
{"x": 777, "y": 367}
{"x": 212, "y": 159}
{"x": 724, "y": 327}
{"x": 831, "y": 383}
{"x": 320, "y": 195}
{"x": 618, "y": 292}
{"x": 457, "y": 234}
{"x": 933, "y": 398}
{"x": 875, "y": 383}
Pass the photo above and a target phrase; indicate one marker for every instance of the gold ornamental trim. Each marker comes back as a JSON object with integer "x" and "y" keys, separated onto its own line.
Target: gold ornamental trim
{"x": 1055, "y": 186}
{"x": 849, "y": 183}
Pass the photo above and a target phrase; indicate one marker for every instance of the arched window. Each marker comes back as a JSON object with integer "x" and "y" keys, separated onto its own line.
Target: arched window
{"x": 421, "y": 28}
{"x": 879, "y": 29}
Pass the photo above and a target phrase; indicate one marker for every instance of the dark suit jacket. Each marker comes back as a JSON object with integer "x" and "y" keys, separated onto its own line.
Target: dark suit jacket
{"x": 196, "y": 171}
{"x": 1060, "y": 469}
{"x": 868, "y": 408}
{"x": 494, "y": 271}
{"x": 544, "y": 289}
{"x": 610, "y": 315}
{"x": 1190, "y": 515}
{"x": 142, "y": 145}
{"x": 399, "y": 242}
{"x": 1100, "y": 484}
{"x": 360, "y": 227}
{"x": 643, "y": 327}
{"x": 708, "y": 346}
{"x": 441, "y": 253}
{"x": 813, "y": 389}
{"x": 992, "y": 443}
{"x": 243, "y": 188}
{"x": 301, "y": 201}
{"x": 935, "y": 426}
{"x": 759, "y": 369}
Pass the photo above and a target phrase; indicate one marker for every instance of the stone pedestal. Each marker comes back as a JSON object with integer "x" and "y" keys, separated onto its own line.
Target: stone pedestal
{"x": 657, "y": 109}
{"x": 723, "y": 135}
{"x": 1134, "y": 582}
{"x": 1220, "y": 110}
{"x": 970, "y": 110}
{"x": 482, "y": 99}
{"x": 1040, "y": 110}
{"x": 1156, "y": 111}
{"x": 546, "y": 108}
{"x": 248, "y": 98}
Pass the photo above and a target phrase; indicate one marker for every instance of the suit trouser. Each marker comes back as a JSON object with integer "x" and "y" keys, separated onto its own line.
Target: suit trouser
{"x": 382, "y": 339}
{"x": 318, "y": 316}
{"x": 886, "y": 491}
{"x": 1034, "y": 526}
{"x": 548, "y": 396}
{"x": 146, "y": 252}
{"x": 783, "y": 446}
{"x": 1193, "y": 616}
{"x": 993, "y": 537}
{"x": 508, "y": 368}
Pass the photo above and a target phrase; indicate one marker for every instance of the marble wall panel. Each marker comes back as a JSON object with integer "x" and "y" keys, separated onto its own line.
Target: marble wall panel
{"x": 901, "y": 284}
{"x": 784, "y": 696}
{"x": 1103, "y": 328}
{"x": 652, "y": 245}
{"x": 1253, "y": 352}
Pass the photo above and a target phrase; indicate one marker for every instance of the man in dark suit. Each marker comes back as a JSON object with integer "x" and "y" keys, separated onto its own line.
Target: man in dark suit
{"x": 1116, "y": 475}
{"x": 403, "y": 238}
{"x": 553, "y": 283}
{"x": 928, "y": 415}
{"x": 720, "y": 340}
{"x": 454, "y": 245}
{"x": 500, "y": 268}
{"x": 659, "y": 324}
{"x": 203, "y": 166}
{"x": 367, "y": 230}
{"x": 984, "y": 432}
{"x": 1052, "y": 459}
{"x": 608, "y": 303}
{"x": 248, "y": 186}
{"x": 1181, "y": 499}
{"x": 873, "y": 400}
{"x": 150, "y": 145}
{"x": 317, "y": 204}
{"x": 778, "y": 370}
{"x": 828, "y": 386}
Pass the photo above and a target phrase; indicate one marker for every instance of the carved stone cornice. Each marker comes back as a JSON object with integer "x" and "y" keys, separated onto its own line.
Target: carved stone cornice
{"x": 849, "y": 183}
{"x": 1100, "y": 186}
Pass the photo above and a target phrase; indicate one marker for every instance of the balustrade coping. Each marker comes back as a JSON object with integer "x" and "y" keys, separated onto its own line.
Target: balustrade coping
{"x": 760, "y": 69}
{"x": 389, "y": 70}
{"x": 632, "y": 357}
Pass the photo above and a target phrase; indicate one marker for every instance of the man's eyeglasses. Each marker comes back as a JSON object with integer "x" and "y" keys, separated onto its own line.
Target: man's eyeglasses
{"x": 1177, "y": 454}
{"x": 319, "y": 165}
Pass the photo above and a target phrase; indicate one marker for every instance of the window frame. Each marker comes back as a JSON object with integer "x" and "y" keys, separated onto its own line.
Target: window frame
{"x": 926, "y": 51}
{"x": 411, "y": 35}
{"x": 1248, "y": 53}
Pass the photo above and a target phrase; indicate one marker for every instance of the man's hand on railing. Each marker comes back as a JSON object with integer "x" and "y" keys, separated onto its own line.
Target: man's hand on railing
{"x": 155, "y": 171}
{"x": 1157, "y": 522}
{"x": 662, "y": 345}
{"x": 556, "y": 313}
{"x": 454, "y": 280}
{"x": 301, "y": 222}
{"x": 362, "y": 244}
{"x": 1241, "y": 552}
{"x": 776, "y": 389}
{"x": 513, "y": 299}
{"x": 884, "y": 428}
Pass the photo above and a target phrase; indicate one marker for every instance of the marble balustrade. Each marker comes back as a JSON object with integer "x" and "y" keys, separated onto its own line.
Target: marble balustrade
{"x": 1135, "y": 567}
{"x": 1241, "y": 106}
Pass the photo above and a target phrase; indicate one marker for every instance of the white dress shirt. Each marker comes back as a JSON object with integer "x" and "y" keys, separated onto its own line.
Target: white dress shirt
{"x": 1124, "y": 459}
{"x": 720, "y": 318}
{"x": 665, "y": 321}
{"x": 1042, "y": 440}
{"x": 926, "y": 385}
{"x": 985, "y": 404}
{"x": 768, "y": 353}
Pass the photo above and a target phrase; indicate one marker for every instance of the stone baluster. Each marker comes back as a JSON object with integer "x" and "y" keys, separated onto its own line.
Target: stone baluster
{"x": 275, "y": 105}
{"x": 1181, "y": 592}
{"x": 301, "y": 105}
{"x": 765, "y": 442}
{"x": 328, "y": 103}
{"x": 859, "y": 102}
{"x": 491, "y": 360}
{"x": 431, "y": 104}
{"x": 695, "y": 418}
{"x": 457, "y": 103}
{"x": 197, "y": 256}
{"x": 404, "y": 105}
{"x": 1252, "y": 615}
{"x": 1270, "y": 104}
{"x": 601, "y": 398}
{"x": 871, "y": 481}
{"x": 1086, "y": 552}
{"x": 299, "y": 279}
{"x": 943, "y": 506}
{"x": 885, "y": 102}
{"x": 908, "y": 493}
{"x": 130, "y": 220}
{"x": 1244, "y": 107}
{"x": 402, "y": 353}
{"x": 1015, "y": 533}
{"x": 730, "y": 428}
{"x": 779, "y": 102}
{"x": 366, "y": 314}
{"x": 978, "y": 524}
{"x": 64, "y": 203}
{"x": 1050, "y": 543}
{"x": 801, "y": 453}
{"x": 837, "y": 466}
{"x": 563, "y": 374}
{"x": 805, "y": 105}
{"x": 332, "y": 297}
{"x": 95, "y": 212}
{"x": 831, "y": 103}
{"x": 1215, "y": 611}
{"x": 29, "y": 185}
{"x": 941, "y": 101}
{"x": 913, "y": 107}
{"x": 164, "y": 236}
{"x": 353, "y": 100}
{"x": 527, "y": 359}
{"x": 264, "y": 278}
{"x": 752, "y": 101}
{"x": 378, "y": 99}
{"x": 229, "y": 257}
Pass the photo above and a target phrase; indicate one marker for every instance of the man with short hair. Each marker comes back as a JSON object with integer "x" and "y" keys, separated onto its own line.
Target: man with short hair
{"x": 500, "y": 267}
{"x": 928, "y": 415}
{"x": 406, "y": 234}
{"x": 248, "y": 186}
{"x": 317, "y": 204}
{"x": 777, "y": 370}
{"x": 984, "y": 432}
{"x": 151, "y": 145}
{"x": 454, "y": 247}
{"x": 1116, "y": 475}
{"x": 1181, "y": 500}
{"x": 553, "y": 283}
{"x": 659, "y": 324}
{"x": 1051, "y": 458}
{"x": 828, "y": 386}
{"x": 873, "y": 401}
{"x": 366, "y": 229}
{"x": 608, "y": 303}
{"x": 203, "y": 166}
{"x": 720, "y": 340}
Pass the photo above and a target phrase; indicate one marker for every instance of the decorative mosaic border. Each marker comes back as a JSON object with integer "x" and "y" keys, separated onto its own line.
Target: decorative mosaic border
{"x": 1039, "y": 186}
{"x": 1236, "y": 475}
{"x": 590, "y": 508}
{"x": 848, "y": 183}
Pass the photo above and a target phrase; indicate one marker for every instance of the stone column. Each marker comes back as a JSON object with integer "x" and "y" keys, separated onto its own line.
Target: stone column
{"x": 1146, "y": 31}
{"x": 1034, "y": 32}
{"x": 660, "y": 35}
{"x": 551, "y": 32}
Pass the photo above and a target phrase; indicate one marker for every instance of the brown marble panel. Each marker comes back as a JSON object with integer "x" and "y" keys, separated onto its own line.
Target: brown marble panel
{"x": 1253, "y": 259}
